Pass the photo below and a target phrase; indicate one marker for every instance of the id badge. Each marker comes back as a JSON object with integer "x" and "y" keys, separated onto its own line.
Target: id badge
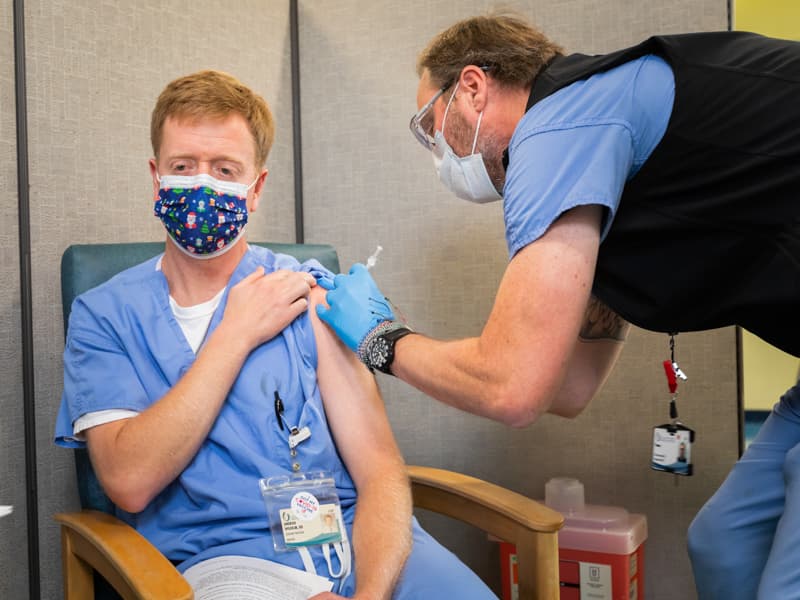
{"x": 672, "y": 449}
{"x": 303, "y": 510}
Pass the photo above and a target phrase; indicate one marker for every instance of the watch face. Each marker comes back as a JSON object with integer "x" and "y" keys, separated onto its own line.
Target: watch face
{"x": 378, "y": 353}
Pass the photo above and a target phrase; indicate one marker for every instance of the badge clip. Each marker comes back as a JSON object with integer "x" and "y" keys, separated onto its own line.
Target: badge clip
{"x": 298, "y": 436}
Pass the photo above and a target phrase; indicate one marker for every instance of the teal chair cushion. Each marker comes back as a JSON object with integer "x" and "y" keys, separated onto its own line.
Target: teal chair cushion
{"x": 84, "y": 266}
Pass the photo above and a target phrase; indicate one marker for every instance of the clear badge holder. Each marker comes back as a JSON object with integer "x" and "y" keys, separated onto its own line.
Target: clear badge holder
{"x": 303, "y": 510}
{"x": 672, "y": 449}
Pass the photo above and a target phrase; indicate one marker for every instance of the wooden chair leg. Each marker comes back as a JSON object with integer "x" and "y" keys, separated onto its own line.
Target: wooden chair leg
{"x": 96, "y": 541}
{"x": 78, "y": 575}
{"x": 531, "y": 526}
{"x": 538, "y": 572}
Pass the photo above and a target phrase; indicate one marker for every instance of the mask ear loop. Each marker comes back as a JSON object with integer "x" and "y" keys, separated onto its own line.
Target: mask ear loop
{"x": 477, "y": 129}
{"x": 447, "y": 108}
{"x": 477, "y": 126}
{"x": 250, "y": 187}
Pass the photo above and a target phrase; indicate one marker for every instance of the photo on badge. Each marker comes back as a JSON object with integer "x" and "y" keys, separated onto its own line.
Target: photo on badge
{"x": 672, "y": 449}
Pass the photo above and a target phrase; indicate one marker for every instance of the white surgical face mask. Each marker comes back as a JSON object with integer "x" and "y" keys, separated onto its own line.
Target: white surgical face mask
{"x": 189, "y": 181}
{"x": 465, "y": 176}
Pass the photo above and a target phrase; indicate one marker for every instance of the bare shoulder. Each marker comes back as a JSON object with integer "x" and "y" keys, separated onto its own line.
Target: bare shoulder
{"x": 330, "y": 349}
{"x": 317, "y": 296}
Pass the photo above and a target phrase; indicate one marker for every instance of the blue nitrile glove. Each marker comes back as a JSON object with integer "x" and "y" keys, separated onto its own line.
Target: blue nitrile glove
{"x": 357, "y": 306}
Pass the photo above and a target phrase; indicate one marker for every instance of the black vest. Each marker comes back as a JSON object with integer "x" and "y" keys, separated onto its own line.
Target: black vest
{"x": 707, "y": 233}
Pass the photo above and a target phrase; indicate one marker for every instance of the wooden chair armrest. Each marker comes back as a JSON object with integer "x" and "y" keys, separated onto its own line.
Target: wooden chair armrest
{"x": 530, "y": 525}
{"x": 96, "y": 541}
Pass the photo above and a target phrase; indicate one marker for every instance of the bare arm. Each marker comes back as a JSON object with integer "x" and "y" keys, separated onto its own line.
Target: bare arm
{"x": 136, "y": 458}
{"x": 515, "y": 370}
{"x": 360, "y": 427}
{"x": 600, "y": 342}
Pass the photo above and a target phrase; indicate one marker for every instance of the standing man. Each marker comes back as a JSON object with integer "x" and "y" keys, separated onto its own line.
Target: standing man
{"x": 658, "y": 185}
{"x": 194, "y": 376}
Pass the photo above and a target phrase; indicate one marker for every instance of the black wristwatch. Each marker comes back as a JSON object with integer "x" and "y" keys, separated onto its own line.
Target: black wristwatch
{"x": 377, "y": 349}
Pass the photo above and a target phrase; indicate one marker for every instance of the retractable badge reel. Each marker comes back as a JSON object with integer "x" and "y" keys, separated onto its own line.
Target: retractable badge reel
{"x": 672, "y": 442}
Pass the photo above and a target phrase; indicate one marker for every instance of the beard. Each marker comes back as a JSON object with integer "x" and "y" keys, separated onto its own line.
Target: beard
{"x": 460, "y": 136}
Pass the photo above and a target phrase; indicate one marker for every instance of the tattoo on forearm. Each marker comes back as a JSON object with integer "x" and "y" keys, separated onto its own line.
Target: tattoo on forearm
{"x": 602, "y": 323}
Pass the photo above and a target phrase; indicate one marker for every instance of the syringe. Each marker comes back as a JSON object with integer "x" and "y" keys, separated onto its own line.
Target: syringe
{"x": 373, "y": 258}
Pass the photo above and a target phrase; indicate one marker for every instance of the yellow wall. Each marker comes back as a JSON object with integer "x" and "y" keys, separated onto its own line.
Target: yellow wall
{"x": 776, "y": 18}
{"x": 767, "y": 372}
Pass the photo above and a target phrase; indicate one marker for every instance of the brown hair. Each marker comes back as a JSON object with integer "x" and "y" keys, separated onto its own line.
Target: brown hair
{"x": 512, "y": 49}
{"x": 214, "y": 94}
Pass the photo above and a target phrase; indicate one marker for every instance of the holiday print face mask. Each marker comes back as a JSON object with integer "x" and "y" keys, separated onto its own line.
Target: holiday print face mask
{"x": 203, "y": 215}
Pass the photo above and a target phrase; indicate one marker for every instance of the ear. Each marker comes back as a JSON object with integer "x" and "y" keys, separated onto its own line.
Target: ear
{"x": 154, "y": 175}
{"x": 474, "y": 83}
{"x": 262, "y": 178}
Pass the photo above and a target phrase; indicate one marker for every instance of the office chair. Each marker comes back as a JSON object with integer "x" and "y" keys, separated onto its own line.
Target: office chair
{"x": 94, "y": 541}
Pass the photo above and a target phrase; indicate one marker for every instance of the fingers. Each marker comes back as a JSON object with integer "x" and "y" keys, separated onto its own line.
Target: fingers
{"x": 304, "y": 276}
{"x": 298, "y": 288}
{"x": 259, "y": 272}
{"x": 310, "y": 279}
{"x": 282, "y": 287}
{"x": 322, "y": 311}
{"x": 262, "y": 304}
{"x": 357, "y": 268}
{"x": 291, "y": 279}
{"x": 326, "y": 283}
{"x": 300, "y": 305}
{"x": 340, "y": 279}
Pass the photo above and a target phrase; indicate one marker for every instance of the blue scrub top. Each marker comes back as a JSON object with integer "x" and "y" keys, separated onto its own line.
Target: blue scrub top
{"x": 581, "y": 144}
{"x": 125, "y": 350}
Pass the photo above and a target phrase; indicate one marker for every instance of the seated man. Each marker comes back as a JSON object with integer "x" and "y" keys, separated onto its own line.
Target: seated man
{"x": 196, "y": 374}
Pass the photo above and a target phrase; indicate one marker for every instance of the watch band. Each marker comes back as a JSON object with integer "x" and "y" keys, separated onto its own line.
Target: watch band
{"x": 377, "y": 348}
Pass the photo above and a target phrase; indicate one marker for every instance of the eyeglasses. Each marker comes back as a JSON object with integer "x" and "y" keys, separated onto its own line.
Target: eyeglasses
{"x": 421, "y": 124}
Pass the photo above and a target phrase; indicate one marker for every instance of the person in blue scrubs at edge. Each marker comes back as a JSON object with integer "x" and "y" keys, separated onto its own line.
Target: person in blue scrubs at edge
{"x": 173, "y": 370}
{"x": 657, "y": 185}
